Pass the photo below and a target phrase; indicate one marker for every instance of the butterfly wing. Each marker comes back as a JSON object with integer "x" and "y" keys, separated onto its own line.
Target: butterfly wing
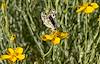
{"x": 46, "y": 21}
{"x": 53, "y": 18}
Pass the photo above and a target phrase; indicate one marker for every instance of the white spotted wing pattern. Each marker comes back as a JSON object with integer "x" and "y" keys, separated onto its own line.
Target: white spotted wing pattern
{"x": 49, "y": 19}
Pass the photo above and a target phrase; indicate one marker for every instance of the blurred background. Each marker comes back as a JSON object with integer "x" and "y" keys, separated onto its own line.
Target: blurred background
{"x": 22, "y": 18}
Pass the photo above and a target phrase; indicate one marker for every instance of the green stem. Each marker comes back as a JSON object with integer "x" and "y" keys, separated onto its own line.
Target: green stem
{"x": 86, "y": 38}
{"x": 48, "y": 51}
{"x": 4, "y": 11}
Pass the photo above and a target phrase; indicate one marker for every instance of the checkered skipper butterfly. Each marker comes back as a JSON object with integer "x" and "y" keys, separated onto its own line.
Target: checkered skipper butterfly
{"x": 49, "y": 19}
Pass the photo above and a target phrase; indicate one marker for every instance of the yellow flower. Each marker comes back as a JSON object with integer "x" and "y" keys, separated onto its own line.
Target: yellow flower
{"x": 55, "y": 37}
{"x": 14, "y": 55}
{"x": 13, "y": 38}
{"x": 88, "y": 8}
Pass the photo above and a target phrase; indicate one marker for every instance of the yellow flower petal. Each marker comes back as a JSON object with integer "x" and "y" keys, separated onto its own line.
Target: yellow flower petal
{"x": 20, "y": 56}
{"x": 19, "y": 50}
{"x": 10, "y": 51}
{"x": 56, "y": 40}
{"x": 13, "y": 59}
{"x": 89, "y": 9}
{"x": 56, "y": 33}
{"x": 80, "y": 9}
{"x": 3, "y": 57}
{"x": 63, "y": 35}
{"x": 94, "y": 5}
{"x": 47, "y": 37}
